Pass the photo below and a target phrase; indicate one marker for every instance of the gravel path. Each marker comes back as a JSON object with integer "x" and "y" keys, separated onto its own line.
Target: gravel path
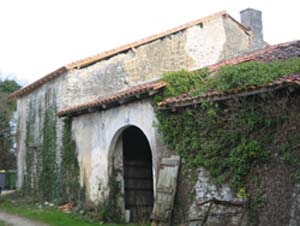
{"x": 19, "y": 221}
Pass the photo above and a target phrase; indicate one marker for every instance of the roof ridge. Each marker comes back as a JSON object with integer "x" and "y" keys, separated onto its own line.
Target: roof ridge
{"x": 88, "y": 60}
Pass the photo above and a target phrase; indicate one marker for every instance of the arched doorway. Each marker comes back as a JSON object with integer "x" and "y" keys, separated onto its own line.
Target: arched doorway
{"x": 137, "y": 174}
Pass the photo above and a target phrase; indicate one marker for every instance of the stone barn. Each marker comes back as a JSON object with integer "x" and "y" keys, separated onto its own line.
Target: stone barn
{"x": 108, "y": 98}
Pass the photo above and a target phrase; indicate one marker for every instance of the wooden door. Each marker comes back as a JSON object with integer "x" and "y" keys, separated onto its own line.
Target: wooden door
{"x": 138, "y": 178}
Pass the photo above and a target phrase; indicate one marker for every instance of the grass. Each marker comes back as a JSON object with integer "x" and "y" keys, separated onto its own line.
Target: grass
{"x": 48, "y": 215}
{"x": 2, "y": 223}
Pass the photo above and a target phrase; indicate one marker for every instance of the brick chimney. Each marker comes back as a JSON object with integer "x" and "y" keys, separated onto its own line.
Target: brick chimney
{"x": 252, "y": 19}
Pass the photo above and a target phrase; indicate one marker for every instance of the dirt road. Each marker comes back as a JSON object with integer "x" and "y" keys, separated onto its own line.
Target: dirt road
{"x": 19, "y": 221}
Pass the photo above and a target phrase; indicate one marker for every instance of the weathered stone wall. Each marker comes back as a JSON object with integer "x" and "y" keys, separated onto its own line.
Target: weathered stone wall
{"x": 86, "y": 84}
{"x": 193, "y": 48}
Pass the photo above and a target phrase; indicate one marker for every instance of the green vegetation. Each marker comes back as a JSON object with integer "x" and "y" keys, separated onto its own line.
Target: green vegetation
{"x": 249, "y": 74}
{"x": 2, "y": 223}
{"x": 7, "y": 107}
{"x": 182, "y": 82}
{"x": 49, "y": 184}
{"x": 49, "y": 215}
{"x": 69, "y": 166}
{"x": 228, "y": 77}
{"x": 233, "y": 138}
{"x": 110, "y": 210}
{"x": 42, "y": 169}
{"x": 52, "y": 176}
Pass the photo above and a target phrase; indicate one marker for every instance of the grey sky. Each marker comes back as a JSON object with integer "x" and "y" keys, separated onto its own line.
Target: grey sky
{"x": 39, "y": 36}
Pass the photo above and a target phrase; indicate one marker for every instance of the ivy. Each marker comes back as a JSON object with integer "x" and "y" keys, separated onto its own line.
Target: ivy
{"x": 48, "y": 174}
{"x": 181, "y": 82}
{"x": 228, "y": 77}
{"x": 32, "y": 154}
{"x": 70, "y": 166}
{"x": 29, "y": 159}
{"x": 249, "y": 74}
{"x": 232, "y": 138}
{"x": 51, "y": 173}
{"x": 109, "y": 209}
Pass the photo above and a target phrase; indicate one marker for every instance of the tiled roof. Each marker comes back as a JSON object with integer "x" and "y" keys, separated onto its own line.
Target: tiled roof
{"x": 185, "y": 100}
{"x": 115, "y": 99}
{"x": 276, "y": 52}
{"x": 90, "y": 60}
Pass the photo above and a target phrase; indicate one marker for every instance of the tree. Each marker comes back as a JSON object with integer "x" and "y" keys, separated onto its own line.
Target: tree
{"x": 7, "y": 108}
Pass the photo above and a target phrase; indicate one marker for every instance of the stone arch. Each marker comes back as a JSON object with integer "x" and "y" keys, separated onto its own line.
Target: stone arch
{"x": 114, "y": 140}
{"x": 132, "y": 170}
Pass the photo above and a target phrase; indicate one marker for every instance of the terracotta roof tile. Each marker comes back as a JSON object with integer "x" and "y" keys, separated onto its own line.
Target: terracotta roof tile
{"x": 271, "y": 53}
{"x": 39, "y": 82}
{"x": 93, "y": 59}
{"x": 187, "y": 100}
{"x": 116, "y": 98}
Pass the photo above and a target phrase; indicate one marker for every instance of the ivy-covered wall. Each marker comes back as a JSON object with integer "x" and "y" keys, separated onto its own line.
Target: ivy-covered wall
{"x": 51, "y": 170}
{"x": 251, "y": 144}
